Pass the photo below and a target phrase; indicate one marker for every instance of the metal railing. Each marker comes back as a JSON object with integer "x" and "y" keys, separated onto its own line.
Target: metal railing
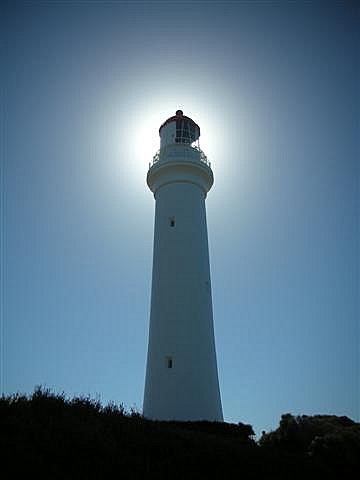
{"x": 203, "y": 158}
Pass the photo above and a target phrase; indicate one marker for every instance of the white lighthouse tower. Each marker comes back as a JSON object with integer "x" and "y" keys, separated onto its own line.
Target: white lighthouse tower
{"x": 181, "y": 375}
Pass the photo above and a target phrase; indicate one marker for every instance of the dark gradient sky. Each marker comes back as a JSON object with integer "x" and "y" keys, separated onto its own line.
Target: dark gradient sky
{"x": 275, "y": 89}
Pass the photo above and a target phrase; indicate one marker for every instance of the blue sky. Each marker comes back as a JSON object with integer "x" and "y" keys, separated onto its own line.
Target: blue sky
{"x": 274, "y": 87}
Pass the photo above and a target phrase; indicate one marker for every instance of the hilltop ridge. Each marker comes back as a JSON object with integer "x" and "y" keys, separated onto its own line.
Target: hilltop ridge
{"x": 47, "y": 435}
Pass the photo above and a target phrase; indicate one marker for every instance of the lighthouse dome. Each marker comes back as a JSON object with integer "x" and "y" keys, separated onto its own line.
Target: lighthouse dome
{"x": 178, "y": 129}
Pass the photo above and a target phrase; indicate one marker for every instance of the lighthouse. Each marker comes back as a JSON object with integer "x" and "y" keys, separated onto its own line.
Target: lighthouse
{"x": 181, "y": 372}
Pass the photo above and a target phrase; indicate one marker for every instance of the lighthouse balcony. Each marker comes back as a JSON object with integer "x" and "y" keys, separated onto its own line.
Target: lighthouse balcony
{"x": 176, "y": 163}
{"x": 176, "y": 152}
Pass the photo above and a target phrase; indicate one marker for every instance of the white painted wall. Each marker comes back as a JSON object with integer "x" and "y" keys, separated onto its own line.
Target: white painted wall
{"x": 181, "y": 318}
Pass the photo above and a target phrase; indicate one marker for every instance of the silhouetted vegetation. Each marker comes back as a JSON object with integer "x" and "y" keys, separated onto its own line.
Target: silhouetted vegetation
{"x": 47, "y": 435}
{"x": 333, "y": 442}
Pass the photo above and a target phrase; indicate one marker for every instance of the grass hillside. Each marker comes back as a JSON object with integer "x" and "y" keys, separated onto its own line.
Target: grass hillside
{"x": 46, "y": 435}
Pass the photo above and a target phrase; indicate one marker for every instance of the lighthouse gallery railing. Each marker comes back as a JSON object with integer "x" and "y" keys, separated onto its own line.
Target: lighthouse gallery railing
{"x": 202, "y": 157}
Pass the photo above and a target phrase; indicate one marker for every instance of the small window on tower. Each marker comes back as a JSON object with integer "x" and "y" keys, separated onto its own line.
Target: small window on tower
{"x": 172, "y": 221}
{"x": 169, "y": 362}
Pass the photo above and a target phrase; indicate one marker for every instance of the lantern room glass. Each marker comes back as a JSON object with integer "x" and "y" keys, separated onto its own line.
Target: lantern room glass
{"x": 185, "y": 131}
